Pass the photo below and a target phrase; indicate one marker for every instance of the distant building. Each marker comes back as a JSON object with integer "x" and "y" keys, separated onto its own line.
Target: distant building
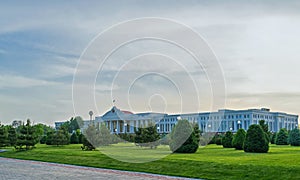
{"x": 118, "y": 121}
{"x": 58, "y": 125}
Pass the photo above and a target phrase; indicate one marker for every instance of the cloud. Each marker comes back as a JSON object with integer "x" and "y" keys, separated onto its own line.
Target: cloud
{"x": 14, "y": 81}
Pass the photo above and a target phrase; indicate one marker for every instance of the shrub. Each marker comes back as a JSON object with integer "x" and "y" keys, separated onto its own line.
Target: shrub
{"x": 3, "y": 136}
{"x": 273, "y": 138}
{"x": 183, "y": 138}
{"x": 294, "y": 137}
{"x": 218, "y": 139}
{"x": 238, "y": 139}
{"x": 227, "y": 140}
{"x": 43, "y": 140}
{"x": 74, "y": 138}
{"x": 282, "y": 137}
{"x": 255, "y": 140}
{"x": 147, "y": 137}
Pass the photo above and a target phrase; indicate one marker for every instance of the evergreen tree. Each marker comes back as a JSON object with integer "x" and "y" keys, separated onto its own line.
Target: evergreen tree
{"x": 105, "y": 138}
{"x": 227, "y": 140}
{"x": 138, "y": 140}
{"x": 238, "y": 139}
{"x": 273, "y": 138}
{"x": 27, "y": 137}
{"x": 197, "y": 132}
{"x": 282, "y": 137}
{"x": 59, "y": 137}
{"x": 294, "y": 137}
{"x": 43, "y": 140}
{"x": 218, "y": 139}
{"x": 80, "y": 138}
{"x": 90, "y": 138}
{"x": 3, "y": 136}
{"x": 74, "y": 138}
{"x": 147, "y": 137}
{"x": 255, "y": 140}
{"x": 12, "y": 136}
{"x": 265, "y": 128}
{"x": 183, "y": 138}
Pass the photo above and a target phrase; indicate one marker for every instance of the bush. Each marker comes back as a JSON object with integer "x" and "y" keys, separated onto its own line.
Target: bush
{"x": 80, "y": 138}
{"x": 238, "y": 139}
{"x": 255, "y": 140}
{"x": 183, "y": 138}
{"x": 227, "y": 140}
{"x": 294, "y": 137}
{"x": 147, "y": 137}
{"x": 43, "y": 140}
{"x": 165, "y": 139}
{"x": 218, "y": 139}
{"x": 74, "y": 138}
{"x": 282, "y": 137}
{"x": 273, "y": 138}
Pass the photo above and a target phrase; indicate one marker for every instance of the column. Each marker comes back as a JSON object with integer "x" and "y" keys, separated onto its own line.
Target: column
{"x": 118, "y": 127}
{"x": 110, "y": 126}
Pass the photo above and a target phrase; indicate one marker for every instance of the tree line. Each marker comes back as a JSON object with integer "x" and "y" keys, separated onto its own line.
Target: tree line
{"x": 257, "y": 138}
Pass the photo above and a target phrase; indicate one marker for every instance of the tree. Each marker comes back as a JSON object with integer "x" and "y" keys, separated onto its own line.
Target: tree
{"x": 227, "y": 140}
{"x": 265, "y": 128}
{"x": 197, "y": 132}
{"x": 105, "y": 138}
{"x": 43, "y": 140}
{"x": 27, "y": 137}
{"x": 12, "y": 136}
{"x": 39, "y": 130}
{"x": 59, "y": 137}
{"x": 294, "y": 137}
{"x": 74, "y": 138}
{"x": 74, "y": 124}
{"x": 273, "y": 138}
{"x": 255, "y": 140}
{"x": 282, "y": 137}
{"x": 80, "y": 138}
{"x": 183, "y": 138}
{"x": 3, "y": 136}
{"x": 238, "y": 139}
{"x": 218, "y": 139}
{"x": 147, "y": 137}
{"x": 89, "y": 139}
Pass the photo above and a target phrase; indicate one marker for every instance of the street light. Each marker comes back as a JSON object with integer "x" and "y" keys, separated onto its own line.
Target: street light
{"x": 209, "y": 126}
{"x": 178, "y": 118}
{"x": 239, "y": 122}
{"x": 125, "y": 127}
{"x": 231, "y": 129}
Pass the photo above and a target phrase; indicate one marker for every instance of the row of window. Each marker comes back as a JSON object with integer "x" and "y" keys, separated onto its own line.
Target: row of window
{"x": 237, "y": 116}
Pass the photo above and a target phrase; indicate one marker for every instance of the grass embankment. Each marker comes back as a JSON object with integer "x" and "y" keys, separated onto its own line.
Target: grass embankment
{"x": 211, "y": 162}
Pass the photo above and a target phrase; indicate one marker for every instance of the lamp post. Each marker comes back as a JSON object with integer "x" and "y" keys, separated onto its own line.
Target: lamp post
{"x": 209, "y": 126}
{"x": 239, "y": 123}
{"x": 230, "y": 129}
{"x": 158, "y": 128}
{"x": 125, "y": 128}
{"x": 178, "y": 118}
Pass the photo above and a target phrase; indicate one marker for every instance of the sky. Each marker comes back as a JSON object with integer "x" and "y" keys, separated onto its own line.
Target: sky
{"x": 47, "y": 75}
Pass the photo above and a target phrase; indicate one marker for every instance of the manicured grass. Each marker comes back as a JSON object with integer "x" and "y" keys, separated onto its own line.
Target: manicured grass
{"x": 211, "y": 162}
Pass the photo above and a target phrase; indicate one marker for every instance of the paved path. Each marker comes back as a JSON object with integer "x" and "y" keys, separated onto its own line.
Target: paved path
{"x": 23, "y": 169}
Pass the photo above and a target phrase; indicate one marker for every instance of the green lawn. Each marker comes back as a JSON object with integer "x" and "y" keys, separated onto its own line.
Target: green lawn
{"x": 211, "y": 162}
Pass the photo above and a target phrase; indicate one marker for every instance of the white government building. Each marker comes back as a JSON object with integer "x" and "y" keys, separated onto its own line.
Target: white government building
{"x": 119, "y": 121}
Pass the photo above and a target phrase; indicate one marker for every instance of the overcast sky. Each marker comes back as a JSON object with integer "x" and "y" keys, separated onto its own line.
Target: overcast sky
{"x": 257, "y": 45}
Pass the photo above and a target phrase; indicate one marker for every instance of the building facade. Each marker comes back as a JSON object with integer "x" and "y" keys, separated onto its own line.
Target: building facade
{"x": 118, "y": 121}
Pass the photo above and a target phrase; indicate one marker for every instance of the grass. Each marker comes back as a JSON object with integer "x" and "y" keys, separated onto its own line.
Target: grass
{"x": 210, "y": 162}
